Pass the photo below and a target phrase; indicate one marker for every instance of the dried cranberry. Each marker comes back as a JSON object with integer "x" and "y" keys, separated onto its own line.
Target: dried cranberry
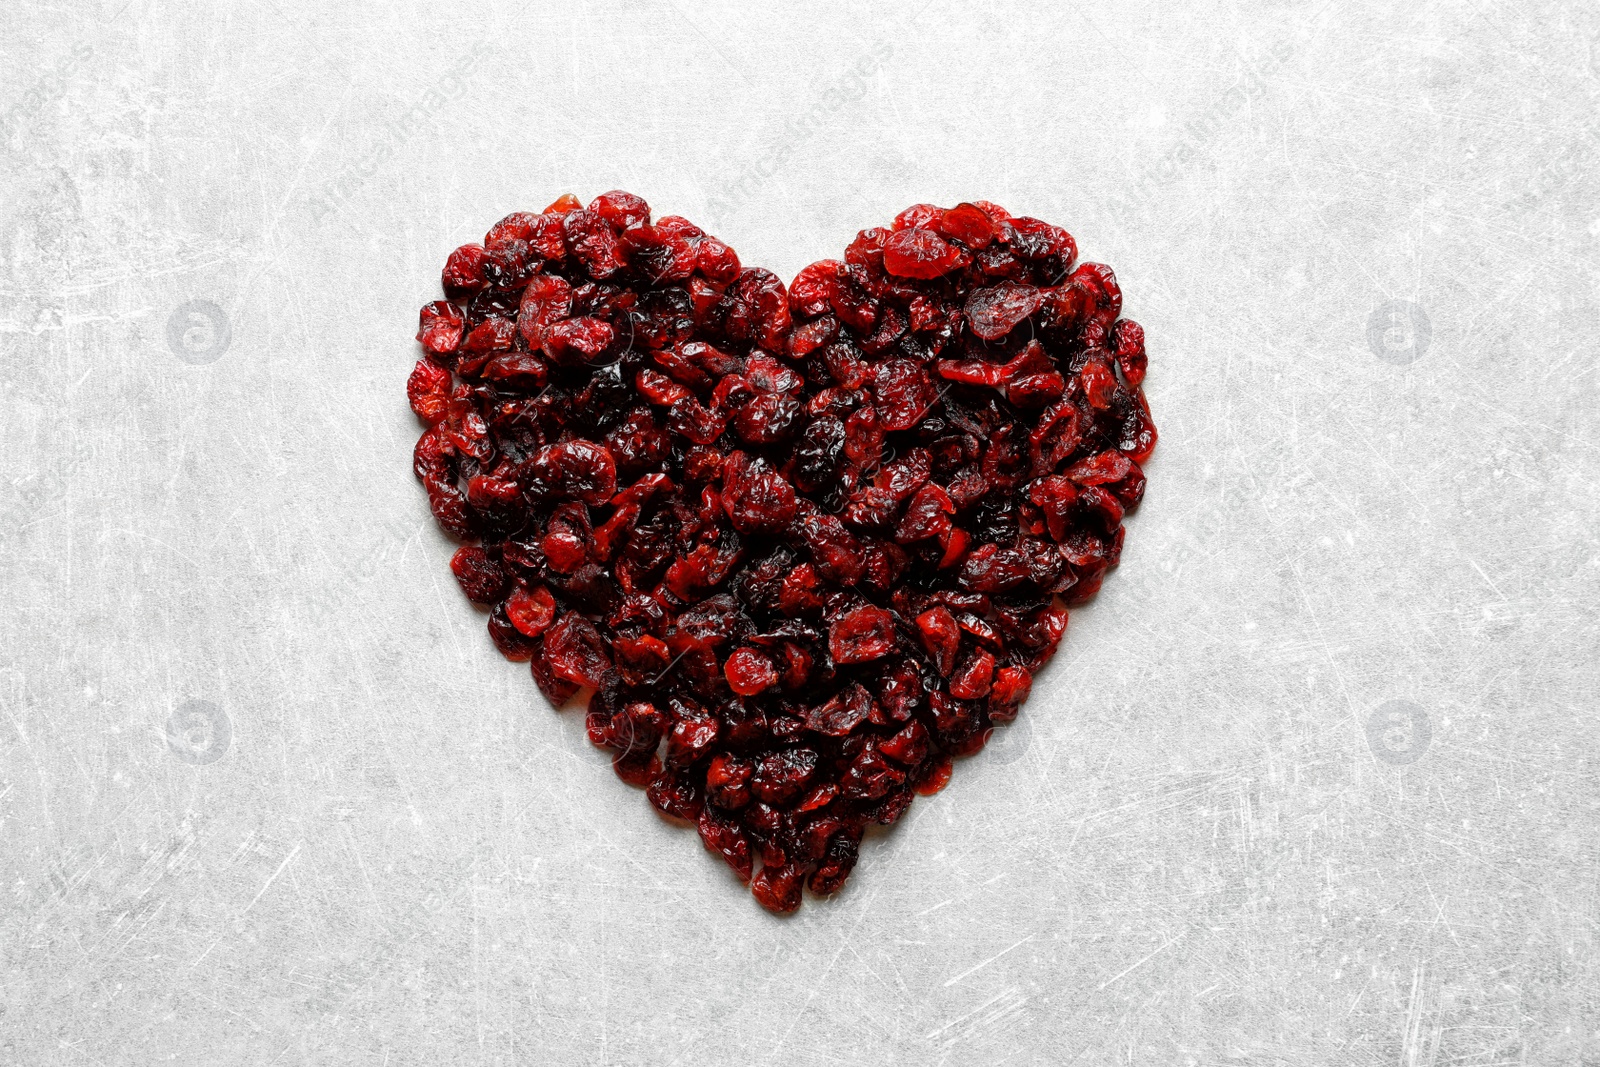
{"x": 531, "y": 611}
{"x": 592, "y": 240}
{"x": 464, "y": 272}
{"x": 778, "y": 888}
{"x": 919, "y": 253}
{"x": 441, "y": 327}
{"x": 481, "y": 575}
{"x": 780, "y": 776}
{"x": 576, "y": 651}
{"x": 993, "y": 312}
{"x": 862, "y": 634}
{"x": 749, "y": 672}
{"x": 806, "y": 546}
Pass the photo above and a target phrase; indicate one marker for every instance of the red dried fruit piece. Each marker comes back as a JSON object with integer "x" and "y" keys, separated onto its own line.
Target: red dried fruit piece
{"x": 759, "y": 309}
{"x": 972, "y": 372}
{"x": 481, "y": 575}
{"x": 580, "y": 470}
{"x": 566, "y": 541}
{"x": 622, "y": 210}
{"x": 578, "y": 341}
{"x": 546, "y": 300}
{"x": 717, "y": 261}
{"x": 701, "y": 570}
{"x": 973, "y": 679}
{"x": 674, "y": 794}
{"x": 1011, "y": 686}
{"x": 441, "y": 327}
{"x": 1055, "y": 495}
{"x": 515, "y": 227}
{"x": 841, "y": 715}
{"x": 870, "y": 776}
{"x": 861, "y": 634}
{"x": 576, "y": 651}
{"x": 428, "y": 389}
{"x": 636, "y": 768}
{"x": 835, "y": 552}
{"x": 1049, "y": 248}
{"x": 694, "y": 731}
{"x": 940, "y": 636}
{"x": 778, "y": 888}
{"x": 681, "y": 227}
{"x": 1099, "y": 384}
{"x": 924, "y": 215}
{"x": 905, "y": 394}
{"x": 493, "y": 334}
{"x": 994, "y": 312}
{"x": 749, "y": 672}
{"x": 936, "y": 777}
{"x": 780, "y": 776}
{"x": 853, "y": 303}
{"x": 658, "y": 255}
{"x": 762, "y": 502}
{"x": 969, "y": 224}
{"x": 728, "y": 781}
{"x": 531, "y": 611}
{"x": 592, "y": 241}
{"x": 723, "y": 837}
{"x": 928, "y": 515}
{"x": 920, "y": 253}
{"x": 1127, "y": 342}
{"x": 910, "y": 746}
{"x": 464, "y": 272}
{"x": 1101, "y": 468}
{"x": 813, "y": 289}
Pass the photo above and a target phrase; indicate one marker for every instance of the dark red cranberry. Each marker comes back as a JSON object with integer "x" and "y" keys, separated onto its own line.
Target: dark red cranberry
{"x": 481, "y": 574}
{"x": 441, "y": 327}
{"x": 465, "y": 272}
{"x": 749, "y": 672}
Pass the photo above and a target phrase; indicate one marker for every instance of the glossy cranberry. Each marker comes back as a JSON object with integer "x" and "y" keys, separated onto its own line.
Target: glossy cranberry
{"x": 480, "y": 573}
{"x": 861, "y": 634}
{"x": 994, "y": 311}
{"x": 465, "y": 272}
{"x": 546, "y": 300}
{"x": 428, "y": 389}
{"x": 749, "y": 672}
{"x": 441, "y": 327}
{"x": 576, "y": 652}
{"x": 919, "y": 253}
{"x": 531, "y": 611}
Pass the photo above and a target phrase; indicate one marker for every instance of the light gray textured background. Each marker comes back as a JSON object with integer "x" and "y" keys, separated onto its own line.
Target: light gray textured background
{"x": 1363, "y": 240}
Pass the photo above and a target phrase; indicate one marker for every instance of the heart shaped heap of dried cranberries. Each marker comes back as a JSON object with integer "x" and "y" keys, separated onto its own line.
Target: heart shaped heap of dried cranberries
{"x": 804, "y": 545}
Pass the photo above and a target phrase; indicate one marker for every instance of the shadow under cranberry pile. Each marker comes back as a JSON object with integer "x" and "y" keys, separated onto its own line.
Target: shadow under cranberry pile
{"x": 804, "y": 545}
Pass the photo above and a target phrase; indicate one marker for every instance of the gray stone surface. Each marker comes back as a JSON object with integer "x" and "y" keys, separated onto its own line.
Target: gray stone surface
{"x": 1312, "y": 782}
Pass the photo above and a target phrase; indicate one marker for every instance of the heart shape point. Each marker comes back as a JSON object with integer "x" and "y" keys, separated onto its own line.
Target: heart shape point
{"x": 805, "y": 545}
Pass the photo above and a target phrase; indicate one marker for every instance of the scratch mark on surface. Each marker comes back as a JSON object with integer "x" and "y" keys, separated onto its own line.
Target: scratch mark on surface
{"x": 292, "y": 854}
{"x": 985, "y": 963}
{"x": 1144, "y": 961}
